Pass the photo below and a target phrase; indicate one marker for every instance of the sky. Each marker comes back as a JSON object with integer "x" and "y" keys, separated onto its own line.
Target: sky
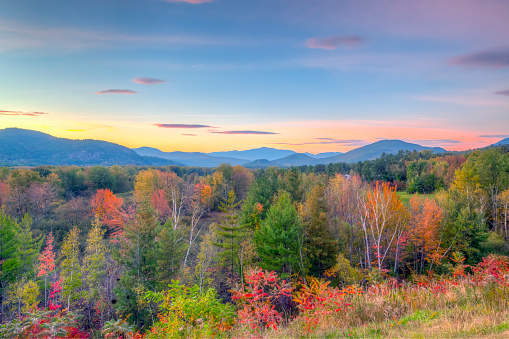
{"x": 218, "y": 75}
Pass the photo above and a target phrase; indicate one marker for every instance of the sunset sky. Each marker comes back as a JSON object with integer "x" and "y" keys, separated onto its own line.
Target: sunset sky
{"x": 218, "y": 75}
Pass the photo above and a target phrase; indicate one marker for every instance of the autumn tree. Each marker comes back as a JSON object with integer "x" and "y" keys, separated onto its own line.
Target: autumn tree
{"x": 424, "y": 232}
{"x": 108, "y": 209}
{"x": 343, "y": 195}
{"x": 383, "y": 221}
{"x": 46, "y": 264}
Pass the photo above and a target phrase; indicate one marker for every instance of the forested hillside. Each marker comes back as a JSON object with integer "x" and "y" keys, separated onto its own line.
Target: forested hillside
{"x": 167, "y": 252}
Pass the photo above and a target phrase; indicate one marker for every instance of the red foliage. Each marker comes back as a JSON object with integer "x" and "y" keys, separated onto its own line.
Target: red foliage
{"x": 47, "y": 257}
{"x": 257, "y": 299}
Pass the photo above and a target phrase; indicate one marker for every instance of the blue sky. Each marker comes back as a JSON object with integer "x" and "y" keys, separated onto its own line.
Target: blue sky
{"x": 272, "y": 73}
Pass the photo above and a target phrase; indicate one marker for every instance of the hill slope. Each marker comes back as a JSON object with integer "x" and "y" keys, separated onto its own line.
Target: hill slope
{"x": 255, "y": 154}
{"x": 502, "y": 142}
{"x": 375, "y": 150}
{"x": 20, "y": 147}
{"x": 189, "y": 158}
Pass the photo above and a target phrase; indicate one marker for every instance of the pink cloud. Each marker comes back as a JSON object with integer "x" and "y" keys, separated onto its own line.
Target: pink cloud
{"x": 332, "y": 43}
{"x": 181, "y": 126}
{"x": 506, "y": 92}
{"x": 189, "y": 135}
{"x": 494, "y": 58}
{"x": 116, "y": 91}
{"x": 148, "y": 81}
{"x": 17, "y": 113}
{"x": 244, "y": 132}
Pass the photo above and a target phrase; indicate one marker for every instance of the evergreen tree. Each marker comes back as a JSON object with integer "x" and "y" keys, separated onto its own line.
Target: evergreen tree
{"x": 321, "y": 247}
{"x": 278, "y": 240}
{"x": 70, "y": 267}
{"x": 230, "y": 232}
{"x": 28, "y": 247}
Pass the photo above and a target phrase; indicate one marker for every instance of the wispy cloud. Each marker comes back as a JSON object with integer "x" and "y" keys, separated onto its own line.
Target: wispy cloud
{"x": 15, "y": 36}
{"x": 117, "y": 91}
{"x": 194, "y": 2}
{"x": 17, "y": 113}
{"x": 181, "y": 126}
{"x": 493, "y": 136}
{"x": 333, "y": 42}
{"x": 148, "y": 81}
{"x": 326, "y": 141}
{"x": 189, "y": 135}
{"x": 244, "y": 132}
{"x": 494, "y": 58}
{"x": 505, "y": 92}
{"x": 467, "y": 101}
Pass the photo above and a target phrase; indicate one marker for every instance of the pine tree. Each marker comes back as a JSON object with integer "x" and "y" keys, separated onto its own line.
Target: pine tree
{"x": 94, "y": 261}
{"x": 28, "y": 247}
{"x": 230, "y": 232}
{"x": 321, "y": 247}
{"x": 70, "y": 267}
{"x": 278, "y": 241}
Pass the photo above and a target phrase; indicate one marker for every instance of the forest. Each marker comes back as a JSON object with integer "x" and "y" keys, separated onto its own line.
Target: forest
{"x": 344, "y": 250}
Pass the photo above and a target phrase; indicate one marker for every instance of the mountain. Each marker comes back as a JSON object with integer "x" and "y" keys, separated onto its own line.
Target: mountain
{"x": 368, "y": 152}
{"x": 196, "y": 159}
{"x": 20, "y": 147}
{"x": 156, "y": 161}
{"x": 261, "y": 163}
{"x": 297, "y": 159}
{"x": 375, "y": 150}
{"x": 502, "y": 142}
{"x": 255, "y": 154}
{"x": 323, "y": 155}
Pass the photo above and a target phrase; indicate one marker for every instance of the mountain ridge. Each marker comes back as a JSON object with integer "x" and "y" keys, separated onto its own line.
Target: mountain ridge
{"x": 20, "y": 147}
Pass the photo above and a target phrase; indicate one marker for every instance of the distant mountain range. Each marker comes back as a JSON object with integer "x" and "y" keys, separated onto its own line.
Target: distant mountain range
{"x": 502, "y": 142}
{"x": 19, "y": 147}
{"x": 265, "y": 157}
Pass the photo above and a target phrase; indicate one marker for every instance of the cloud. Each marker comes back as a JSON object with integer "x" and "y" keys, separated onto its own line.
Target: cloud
{"x": 17, "y": 113}
{"x": 244, "y": 132}
{"x": 148, "y": 81}
{"x": 498, "y": 136}
{"x": 15, "y": 36}
{"x": 189, "y": 135}
{"x": 327, "y": 141}
{"x": 194, "y": 2}
{"x": 116, "y": 91}
{"x": 181, "y": 126}
{"x": 505, "y": 92}
{"x": 332, "y": 43}
{"x": 494, "y": 58}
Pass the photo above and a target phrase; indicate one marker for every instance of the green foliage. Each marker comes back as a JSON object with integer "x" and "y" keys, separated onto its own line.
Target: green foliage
{"x": 8, "y": 246}
{"x": 71, "y": 268}
{"x": 345, "y": 274}
{"x": 279, "y": 239}
{"x": 100, "y": 178}
{"x": 185, "y": 312}
{"x": 320, "y": 246}
{"x": 230, "y": 235}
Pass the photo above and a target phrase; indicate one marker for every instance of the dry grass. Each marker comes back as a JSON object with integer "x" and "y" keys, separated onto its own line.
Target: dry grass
{"x": 440, "y": 310}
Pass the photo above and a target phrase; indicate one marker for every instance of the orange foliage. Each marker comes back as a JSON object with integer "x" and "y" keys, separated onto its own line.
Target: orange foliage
{"x": 425, "y": 228}
{"x": 108, "y": 209}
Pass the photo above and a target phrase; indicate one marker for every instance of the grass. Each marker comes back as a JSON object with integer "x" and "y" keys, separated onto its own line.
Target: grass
{"x": 464, "y": 307}
{"x": 405, "y": 196}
